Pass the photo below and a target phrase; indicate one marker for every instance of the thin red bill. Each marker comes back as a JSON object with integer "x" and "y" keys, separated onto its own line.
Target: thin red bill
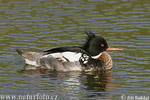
{"x": 113, "y": 49}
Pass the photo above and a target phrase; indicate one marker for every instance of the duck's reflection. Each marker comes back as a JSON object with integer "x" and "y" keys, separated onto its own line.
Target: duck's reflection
{"x": 98, "y": 80}
{"x": 89, "y": 84}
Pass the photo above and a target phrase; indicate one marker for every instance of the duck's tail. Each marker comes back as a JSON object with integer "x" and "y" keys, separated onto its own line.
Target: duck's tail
{"x": 30, "y": 58}
{"x": 19, "y": 52}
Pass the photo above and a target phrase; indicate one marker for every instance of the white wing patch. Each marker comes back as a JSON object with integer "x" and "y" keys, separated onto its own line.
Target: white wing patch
{"x": 66, "y": 56}
{"x": 71, "y": 56}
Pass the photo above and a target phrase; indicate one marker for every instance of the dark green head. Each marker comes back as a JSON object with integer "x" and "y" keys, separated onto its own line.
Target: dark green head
{"x": 94, "y": 44}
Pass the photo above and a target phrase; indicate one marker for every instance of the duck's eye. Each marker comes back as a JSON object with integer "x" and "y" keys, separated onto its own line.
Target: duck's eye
{"x": 102, "y": 45}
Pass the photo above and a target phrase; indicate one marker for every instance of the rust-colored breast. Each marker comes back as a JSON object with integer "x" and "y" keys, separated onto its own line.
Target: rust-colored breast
{"x": 106, "y": 58}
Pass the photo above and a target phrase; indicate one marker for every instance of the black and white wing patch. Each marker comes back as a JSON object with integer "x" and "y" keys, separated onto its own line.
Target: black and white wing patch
{"x": 87, "y": 60}
{"x": 84, "y": 59}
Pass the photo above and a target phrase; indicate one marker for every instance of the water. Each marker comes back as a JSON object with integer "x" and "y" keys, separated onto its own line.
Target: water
{"x": 37, "y": 25}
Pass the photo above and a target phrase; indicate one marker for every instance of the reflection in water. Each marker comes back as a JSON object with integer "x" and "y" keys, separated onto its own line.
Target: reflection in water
{"x": 97, "y": 82}
{"x": 89, "y": 84}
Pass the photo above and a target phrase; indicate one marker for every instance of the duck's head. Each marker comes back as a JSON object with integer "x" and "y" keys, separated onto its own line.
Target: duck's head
{"x": 96, "y": 44}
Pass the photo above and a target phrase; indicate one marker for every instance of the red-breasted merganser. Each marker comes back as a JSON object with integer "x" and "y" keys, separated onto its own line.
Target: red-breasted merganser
{"x": 89, "y": 57}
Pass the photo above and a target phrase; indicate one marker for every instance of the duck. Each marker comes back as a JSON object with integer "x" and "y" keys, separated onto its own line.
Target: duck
{"x": 91, "y": 56}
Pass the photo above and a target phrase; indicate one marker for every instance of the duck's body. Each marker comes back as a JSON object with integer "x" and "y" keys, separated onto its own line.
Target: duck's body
{"x": 66, "y": 61}
{"x": 89, "y": 57}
